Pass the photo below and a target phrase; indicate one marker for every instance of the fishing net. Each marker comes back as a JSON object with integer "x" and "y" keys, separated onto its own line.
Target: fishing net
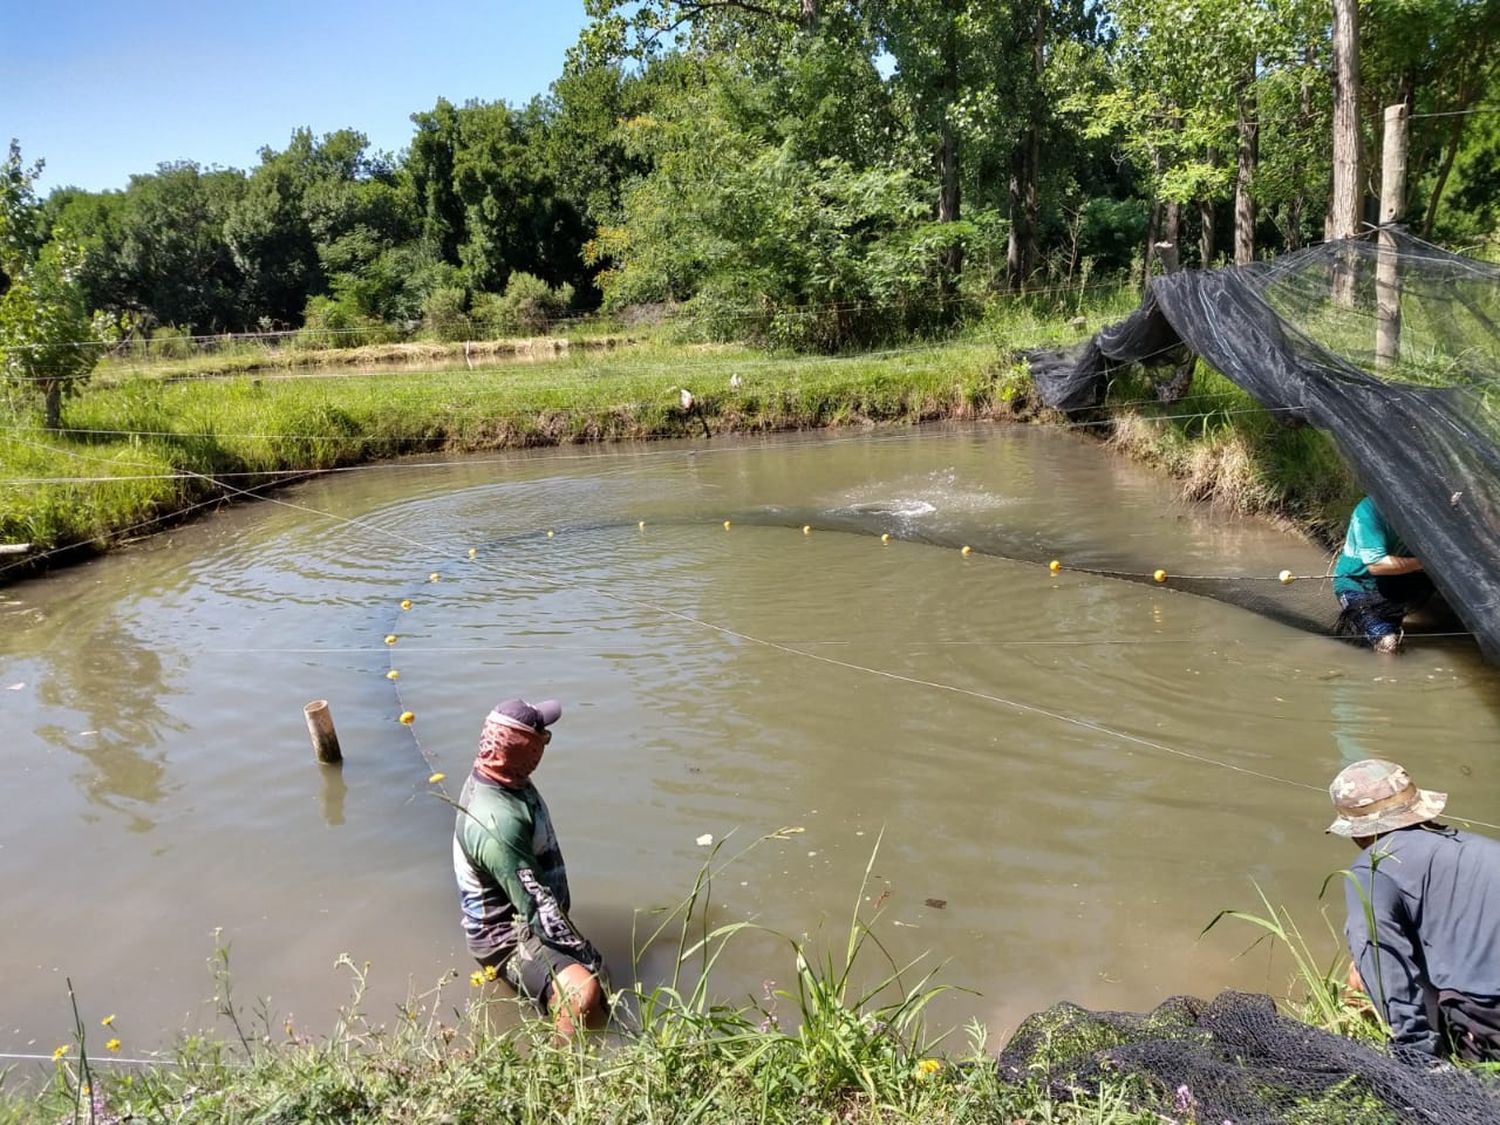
{"x": 1392, "y": 347}
{"x": 1236, "y": 1060}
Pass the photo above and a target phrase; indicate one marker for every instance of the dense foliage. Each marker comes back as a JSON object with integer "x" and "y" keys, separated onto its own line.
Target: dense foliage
{"x": 810, "y": 173}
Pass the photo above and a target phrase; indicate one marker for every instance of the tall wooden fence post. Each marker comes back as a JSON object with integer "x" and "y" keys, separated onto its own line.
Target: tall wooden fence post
{"x": 325, "y": 740}
{"x": 1387, "y": 260}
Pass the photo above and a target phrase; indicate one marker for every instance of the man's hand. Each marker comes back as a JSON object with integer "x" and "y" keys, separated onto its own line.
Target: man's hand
{"x": 1353, "y": 982}
{"x": 1396, "y": 564}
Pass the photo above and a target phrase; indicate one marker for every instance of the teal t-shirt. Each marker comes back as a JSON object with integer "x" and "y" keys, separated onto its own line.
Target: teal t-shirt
{"x": 1369, "y": 540}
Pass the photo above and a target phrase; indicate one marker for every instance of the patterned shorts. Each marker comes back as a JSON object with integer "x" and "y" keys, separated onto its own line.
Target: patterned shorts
{"x": 531, "y": 968}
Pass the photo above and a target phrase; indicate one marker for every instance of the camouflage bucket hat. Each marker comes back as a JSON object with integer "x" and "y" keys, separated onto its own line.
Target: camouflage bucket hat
{"x": 1375, "y": 796}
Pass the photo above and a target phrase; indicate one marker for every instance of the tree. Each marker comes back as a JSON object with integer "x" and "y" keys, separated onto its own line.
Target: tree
{"x": 47, "y": 342}
{"x": 1344, "y": 205}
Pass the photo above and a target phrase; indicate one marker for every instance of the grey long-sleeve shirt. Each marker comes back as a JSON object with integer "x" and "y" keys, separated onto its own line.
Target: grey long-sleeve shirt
{"x": 1435, "y": 896}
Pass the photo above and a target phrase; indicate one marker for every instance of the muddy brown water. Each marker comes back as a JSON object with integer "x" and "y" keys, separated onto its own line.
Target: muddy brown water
{"x": 156, "y": 784}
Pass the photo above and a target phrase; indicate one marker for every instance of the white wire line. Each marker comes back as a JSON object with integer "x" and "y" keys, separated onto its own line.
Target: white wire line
{"x": 511, "y": 572}
{"x": 1028, "y": 708}
{"x": 1458, "y": 112}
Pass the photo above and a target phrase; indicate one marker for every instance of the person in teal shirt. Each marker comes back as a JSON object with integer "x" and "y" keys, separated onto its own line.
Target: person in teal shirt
{"x": 1377, "y": 580}
{"x": 512, "y": 885}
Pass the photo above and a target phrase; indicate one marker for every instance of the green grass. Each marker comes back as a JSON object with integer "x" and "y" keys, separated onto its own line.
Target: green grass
{"x": 133, "y": 431}
{"x": 1229, "y": 451}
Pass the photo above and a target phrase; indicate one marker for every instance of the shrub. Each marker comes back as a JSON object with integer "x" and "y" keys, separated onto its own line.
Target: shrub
{"x": 444, "y": 317}
{"x": 169, "y": 342}
{"x": 528, "y": 307}
{"x": 330, "y": 322}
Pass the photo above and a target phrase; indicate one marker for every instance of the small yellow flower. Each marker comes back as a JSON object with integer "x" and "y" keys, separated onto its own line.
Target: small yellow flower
{"x": 107, "y": 1020}
{"x": 491, "y": 973}
{"x": 112, "y": 1045}
{"x": 59, "y": 1052}
{"x": 476, "y": 979}
{"x": 435, "y": 778}
{"x": 927, "y": 1068}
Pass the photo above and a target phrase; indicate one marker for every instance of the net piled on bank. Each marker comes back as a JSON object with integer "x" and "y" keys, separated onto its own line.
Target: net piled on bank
{"x": 1235, "y": 1060}
{"x": 1392, "y": 347}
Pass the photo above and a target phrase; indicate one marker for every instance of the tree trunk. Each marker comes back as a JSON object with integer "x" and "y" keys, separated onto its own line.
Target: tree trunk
{"x": 948, "y": 196}
{"x": 1455, "y": 133}
{"x": 1344, "y": 218}
{"x": 1244, "y": 173}
{"x": 1206, "y": 233}
{"x": 54, "y": 405}
{"x": 949, "y": 201}
{"x": 1153, "y": 224}
{"x": 1298, "y": 206}
{"x": 1387, "y": 259}
{"x": 1022, "y": 252}
{"x": 1169, "y": 249}
{"x": 1206, "y": 221}
{"x": 1018, "y": 261}
{"x": 1450, "y": 152}
{"x": 1343, "y": 215}
{"x": 809, "y": 15}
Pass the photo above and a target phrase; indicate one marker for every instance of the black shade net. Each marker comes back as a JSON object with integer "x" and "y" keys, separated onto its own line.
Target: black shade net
{"x": 1235, "y": 1060}
{"x": 1389, "y": 345}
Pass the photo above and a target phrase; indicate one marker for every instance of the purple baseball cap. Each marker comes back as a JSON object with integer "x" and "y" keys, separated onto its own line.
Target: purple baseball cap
{"x": 536, "y": 716}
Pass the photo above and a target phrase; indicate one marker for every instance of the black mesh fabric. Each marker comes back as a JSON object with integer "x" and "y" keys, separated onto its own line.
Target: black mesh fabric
{"x": 1421, "y": 432}
{"x": 1237, "y": 1060}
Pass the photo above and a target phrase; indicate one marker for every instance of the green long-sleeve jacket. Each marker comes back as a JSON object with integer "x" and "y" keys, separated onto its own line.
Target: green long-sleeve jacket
{"x": 510, "y": 873}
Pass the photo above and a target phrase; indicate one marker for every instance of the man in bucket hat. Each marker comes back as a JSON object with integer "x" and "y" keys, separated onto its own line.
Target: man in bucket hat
{"x": 1432, "y": 896}
{"x": 512, "y": 885}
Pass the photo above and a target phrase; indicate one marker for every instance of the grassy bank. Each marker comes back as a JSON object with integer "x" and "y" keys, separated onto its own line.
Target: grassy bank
{"x": 1227, "y": 450}
{"x": 140, "y": 451}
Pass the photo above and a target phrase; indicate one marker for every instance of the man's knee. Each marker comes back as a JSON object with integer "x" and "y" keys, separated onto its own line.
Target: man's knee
{"x": 577, "y": 996}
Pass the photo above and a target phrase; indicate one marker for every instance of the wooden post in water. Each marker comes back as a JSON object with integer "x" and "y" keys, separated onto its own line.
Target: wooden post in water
{"x": 1392, "y": 211}
{"x": 325, "y": 740}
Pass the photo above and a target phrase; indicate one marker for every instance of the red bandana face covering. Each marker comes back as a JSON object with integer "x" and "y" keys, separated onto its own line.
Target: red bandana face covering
{"x": 508, "y": 754}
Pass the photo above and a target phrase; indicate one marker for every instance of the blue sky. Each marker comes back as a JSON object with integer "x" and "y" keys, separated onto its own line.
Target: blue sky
{"x": 103, "y": 90}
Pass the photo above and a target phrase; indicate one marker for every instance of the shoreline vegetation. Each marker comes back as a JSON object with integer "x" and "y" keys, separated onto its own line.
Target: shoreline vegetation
{"x": 159, "y": 439}
{"x": 837, "y": 1041}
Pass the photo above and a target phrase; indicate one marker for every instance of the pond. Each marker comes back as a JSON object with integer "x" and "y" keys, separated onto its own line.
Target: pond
{"x": 1068, "y": 776}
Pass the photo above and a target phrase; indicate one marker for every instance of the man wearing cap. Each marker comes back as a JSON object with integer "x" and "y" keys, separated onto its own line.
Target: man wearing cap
{"x": 511, "y": 882}
{"x": 1432, "y": 967}
{"x": 1377, "y": 580}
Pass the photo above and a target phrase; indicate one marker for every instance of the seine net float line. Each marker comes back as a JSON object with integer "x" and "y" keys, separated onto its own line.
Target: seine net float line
{"x": 509, "y": 571}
